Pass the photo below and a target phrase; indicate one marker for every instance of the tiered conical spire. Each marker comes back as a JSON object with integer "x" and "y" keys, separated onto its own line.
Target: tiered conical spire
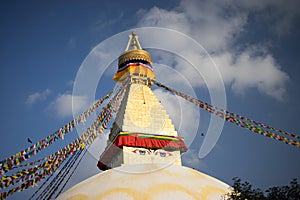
{"x": 143, "y": 131}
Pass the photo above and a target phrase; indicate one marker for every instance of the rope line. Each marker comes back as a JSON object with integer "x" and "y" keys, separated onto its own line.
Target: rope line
{"x": 44, "y": 183}
{"x": 15, "y": 160}
{"x": 53, "y": 181}
{"x": 61, "y": 189}
{"x": 236, "y": 119}
{"x": 61, "y": 177}
{"x": 80, "y": 143}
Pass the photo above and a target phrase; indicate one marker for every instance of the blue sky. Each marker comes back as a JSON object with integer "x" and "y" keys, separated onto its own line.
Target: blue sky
{"x": 255, "y": 45}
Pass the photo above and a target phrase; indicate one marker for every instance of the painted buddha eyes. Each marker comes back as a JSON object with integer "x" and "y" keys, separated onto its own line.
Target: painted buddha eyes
{"x": 140, "y": 152}
{"x": 160, "y": 153}
{"x": 163, "y": 154}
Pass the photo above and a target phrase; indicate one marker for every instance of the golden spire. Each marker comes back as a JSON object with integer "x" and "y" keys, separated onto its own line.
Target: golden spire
{"x": 134, "y": 61}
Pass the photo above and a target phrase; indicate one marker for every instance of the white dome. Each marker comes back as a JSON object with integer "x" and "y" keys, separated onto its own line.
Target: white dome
{"x": 148, "y": 181}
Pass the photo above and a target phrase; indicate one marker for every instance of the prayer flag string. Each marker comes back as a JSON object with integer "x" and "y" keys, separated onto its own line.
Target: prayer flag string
{"x": 30, "y": 177}
{"x": 15, "y": 161}
{"x": 239, "y": 120}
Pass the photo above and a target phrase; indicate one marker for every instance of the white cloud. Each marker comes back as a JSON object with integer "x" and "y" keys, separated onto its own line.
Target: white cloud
{"x": 66, "y": 104}
{"x": 261, "y": 72}
{"x": 163, "y": 18}
{"x": 216, "y": 26}
{"x": 202, "y": 21}
{"x": 38, "y": 96}
{"x": 278, "y": 14}
{"x": 247, "y": 71}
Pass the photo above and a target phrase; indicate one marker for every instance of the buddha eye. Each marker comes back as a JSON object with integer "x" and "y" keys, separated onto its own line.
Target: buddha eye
{"x": 140, "y": 152}
{"x": 163, "y": 154}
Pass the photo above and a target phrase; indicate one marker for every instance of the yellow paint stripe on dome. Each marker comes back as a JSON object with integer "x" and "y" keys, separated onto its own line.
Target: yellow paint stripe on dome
{"x": 211, "y": 190}
{"x": 156, "y": 192}
{"x": 79, "y": 197}
{"x": 113, "y": 193}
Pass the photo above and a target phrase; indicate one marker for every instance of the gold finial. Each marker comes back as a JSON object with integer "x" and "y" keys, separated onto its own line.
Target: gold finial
{"x": 133, "y": 42}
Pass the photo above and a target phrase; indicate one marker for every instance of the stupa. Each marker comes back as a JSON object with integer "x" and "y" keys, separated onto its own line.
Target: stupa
{"x": 142, "y": 159}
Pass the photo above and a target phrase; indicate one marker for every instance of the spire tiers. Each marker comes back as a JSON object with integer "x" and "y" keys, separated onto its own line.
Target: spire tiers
{"x": 135, "y": 62}
{"x": 142, "y": 132}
